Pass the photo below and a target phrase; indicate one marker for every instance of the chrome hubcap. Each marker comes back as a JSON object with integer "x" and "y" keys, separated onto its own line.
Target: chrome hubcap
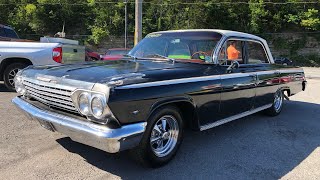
{"x": 11, "y": 76}
{"x": 278, "y": 100}
{"x": 164, "y": 135}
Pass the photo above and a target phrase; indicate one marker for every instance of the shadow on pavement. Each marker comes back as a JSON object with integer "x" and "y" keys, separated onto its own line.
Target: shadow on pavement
{"x": 255, "y": 147}
{"x": 3, "y": 88}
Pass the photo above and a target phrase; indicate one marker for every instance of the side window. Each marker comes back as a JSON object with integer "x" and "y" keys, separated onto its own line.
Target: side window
{"x": 222, "y": 57}
{"x": 256, "y": 53}
{"x": 231, "y": 51}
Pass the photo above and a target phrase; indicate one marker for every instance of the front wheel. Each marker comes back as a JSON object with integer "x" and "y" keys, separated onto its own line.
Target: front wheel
{"x": 10, "y": 72}
{"x": 161, "y": 139}
{"x": 277, "y": 105}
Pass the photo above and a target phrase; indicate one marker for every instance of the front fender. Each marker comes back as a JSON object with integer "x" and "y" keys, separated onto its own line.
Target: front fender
{"x": 170, "y": 100}
{"x": 187, "y": 106}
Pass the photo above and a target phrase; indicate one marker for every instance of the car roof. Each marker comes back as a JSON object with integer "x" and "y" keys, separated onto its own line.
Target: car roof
{"x": 227, "y": 33}
{"x": 4, "y": 26}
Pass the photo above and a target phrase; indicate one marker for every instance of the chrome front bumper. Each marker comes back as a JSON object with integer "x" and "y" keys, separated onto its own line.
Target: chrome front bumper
{"x": 98, "y": 136}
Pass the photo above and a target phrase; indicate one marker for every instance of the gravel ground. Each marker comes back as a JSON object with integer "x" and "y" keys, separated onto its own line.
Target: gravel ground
{"x": 254, "y": 147}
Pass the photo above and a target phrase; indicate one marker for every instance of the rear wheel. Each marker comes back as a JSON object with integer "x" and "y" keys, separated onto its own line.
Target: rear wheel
{"x": 161, "y": 139}
{"x": 277, "y": 105}
{"x": 10, "y": 72}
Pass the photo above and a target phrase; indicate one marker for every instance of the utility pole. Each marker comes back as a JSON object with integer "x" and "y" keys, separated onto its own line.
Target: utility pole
{"x": 125, "y": 23}
{"x": 138, "y": 21}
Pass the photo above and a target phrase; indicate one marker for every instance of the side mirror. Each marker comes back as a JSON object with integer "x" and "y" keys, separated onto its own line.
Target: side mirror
{"x": 234, "y": 65}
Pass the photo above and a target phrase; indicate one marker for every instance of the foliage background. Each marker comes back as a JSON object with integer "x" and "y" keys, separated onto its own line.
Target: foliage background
{"x": 93, "y": 21}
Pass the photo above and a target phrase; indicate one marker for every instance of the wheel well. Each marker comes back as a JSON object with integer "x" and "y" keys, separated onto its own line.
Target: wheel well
{"x": 188, "y": 113}
{"x": 8, "y": 61}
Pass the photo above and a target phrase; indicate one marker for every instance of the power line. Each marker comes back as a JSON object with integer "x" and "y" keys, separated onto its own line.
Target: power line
{"x": 218, "y": 3}
{"x": 161, "y": 4}
{"x": 271, "y": 33}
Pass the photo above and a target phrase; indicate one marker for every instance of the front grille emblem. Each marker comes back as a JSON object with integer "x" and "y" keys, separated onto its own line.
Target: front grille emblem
{"x": 43, "y": 79}
{"x": 46, "y": 79}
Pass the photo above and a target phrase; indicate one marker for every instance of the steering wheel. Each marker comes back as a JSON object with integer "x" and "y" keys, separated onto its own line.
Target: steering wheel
{"x": 200, "y": 53}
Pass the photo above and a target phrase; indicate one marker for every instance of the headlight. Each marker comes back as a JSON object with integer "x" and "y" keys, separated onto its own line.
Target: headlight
{"x": 84, "y": 103}
{"x": 92, "y": 104}
{"x": 18, "y": 84}
{"x": 97, "y": 106}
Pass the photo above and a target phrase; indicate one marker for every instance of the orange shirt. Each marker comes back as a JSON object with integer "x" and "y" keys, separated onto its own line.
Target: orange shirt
{"x": 233, "y": 53}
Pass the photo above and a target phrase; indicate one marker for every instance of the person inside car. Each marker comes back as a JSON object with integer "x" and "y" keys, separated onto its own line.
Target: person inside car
{"x": 232, "y": 52}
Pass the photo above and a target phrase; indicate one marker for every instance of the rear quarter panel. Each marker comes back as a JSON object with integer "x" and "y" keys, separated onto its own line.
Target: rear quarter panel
{"x": 291, "y": 78}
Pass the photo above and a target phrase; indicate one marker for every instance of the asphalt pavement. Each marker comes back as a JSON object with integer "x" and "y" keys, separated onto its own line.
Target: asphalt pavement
{"x": 254, "y": 147}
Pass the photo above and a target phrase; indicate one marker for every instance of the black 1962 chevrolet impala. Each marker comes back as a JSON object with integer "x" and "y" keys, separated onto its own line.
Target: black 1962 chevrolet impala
{"x": 171, "y": 80}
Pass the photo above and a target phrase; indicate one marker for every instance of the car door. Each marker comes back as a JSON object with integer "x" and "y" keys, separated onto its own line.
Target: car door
{"x": 238, "y": 85}
{"x": 267, "y": 74}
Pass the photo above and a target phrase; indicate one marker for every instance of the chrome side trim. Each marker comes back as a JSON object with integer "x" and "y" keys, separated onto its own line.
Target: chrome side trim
{"x": 238, "y": 116}
{"x": 95, "y": 135}
{"x": 293, "y": 70}
{"x": 206, "y": 78}
{"x": 266, "y": 72}
{"x": 168, "y": 82}
{"x": 185, "y": 80}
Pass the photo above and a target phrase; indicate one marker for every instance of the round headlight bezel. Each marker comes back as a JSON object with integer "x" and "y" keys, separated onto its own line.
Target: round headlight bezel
{"x": 100, "y": 99}
{"x": 85, "y": 108}
{"x": 102, "y": 117}
{"x": 18, "y": 84}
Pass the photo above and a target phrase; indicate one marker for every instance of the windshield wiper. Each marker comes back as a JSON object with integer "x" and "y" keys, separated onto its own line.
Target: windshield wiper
{"x": 150, "y": 56}
{"x": 131, "y": 56}
{"x": 160, "y": 56}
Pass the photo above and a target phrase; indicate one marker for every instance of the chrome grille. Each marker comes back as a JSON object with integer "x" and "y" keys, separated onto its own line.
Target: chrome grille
{"x": 50, "y": 94}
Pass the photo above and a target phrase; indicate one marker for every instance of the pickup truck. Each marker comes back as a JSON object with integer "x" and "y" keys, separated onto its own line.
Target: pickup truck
{"x": 16, "y": 54}
{"x": 171, "y": 80}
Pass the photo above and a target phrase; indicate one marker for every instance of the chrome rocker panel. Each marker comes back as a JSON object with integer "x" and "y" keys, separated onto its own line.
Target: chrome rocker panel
{"x": 98, "y": 136}
{"x": 235, "y": 117}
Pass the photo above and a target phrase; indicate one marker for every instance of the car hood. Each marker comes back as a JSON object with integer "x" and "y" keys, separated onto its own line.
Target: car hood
{"x": 105, "y": 71}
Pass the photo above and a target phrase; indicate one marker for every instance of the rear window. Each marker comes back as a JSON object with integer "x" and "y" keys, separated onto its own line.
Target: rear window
{"x": 256, "y": 53}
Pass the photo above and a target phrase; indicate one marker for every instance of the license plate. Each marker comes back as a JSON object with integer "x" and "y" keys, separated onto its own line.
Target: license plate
{"x": 46, "y": 125}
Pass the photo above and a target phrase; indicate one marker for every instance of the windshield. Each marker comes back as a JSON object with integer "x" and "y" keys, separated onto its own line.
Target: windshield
{"x": 190, "y": 46}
